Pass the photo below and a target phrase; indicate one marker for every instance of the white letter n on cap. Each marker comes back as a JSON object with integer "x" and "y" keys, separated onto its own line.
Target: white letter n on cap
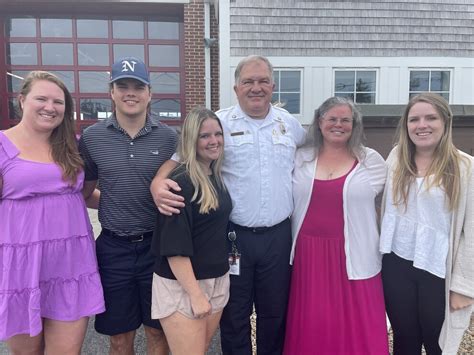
{"x": 126, "y": 65}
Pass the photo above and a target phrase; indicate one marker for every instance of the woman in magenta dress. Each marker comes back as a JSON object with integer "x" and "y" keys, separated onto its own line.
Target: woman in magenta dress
{"x": 49, "y": 281}
{"x": 336, "y": 301}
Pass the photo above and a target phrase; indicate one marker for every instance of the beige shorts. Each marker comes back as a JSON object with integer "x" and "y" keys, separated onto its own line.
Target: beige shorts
{"x": 168, "y": 296}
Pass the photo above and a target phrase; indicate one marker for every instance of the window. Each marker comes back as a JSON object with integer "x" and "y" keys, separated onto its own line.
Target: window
{"x": 358, "y": 85}
{"x": 93, "y": 54}
{"x": 437, "y": 81}
{"x": 80, "y": 50}
{"x": 287, "y": 90}
{"x": 124, "y": 50}
{"x": 22, "y": 54}
{"x": 21, "y": 27}
{"x": 89, "y": 28}
{"x": 56, "y": 28}
{"x": 165, "y": 83}
{"x": 128, "y": 29}
{"x": 169, "y": 109}
{"x": 57, "y": 54}
{"x": 163, "y": 30}
{"x": 164, "y": 55}
{"x": 95, "y": 109}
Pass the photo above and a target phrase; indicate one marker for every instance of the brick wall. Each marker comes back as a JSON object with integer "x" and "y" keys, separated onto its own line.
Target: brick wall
{"x": 194, "y": 54}
{"x": 214, "y": 62}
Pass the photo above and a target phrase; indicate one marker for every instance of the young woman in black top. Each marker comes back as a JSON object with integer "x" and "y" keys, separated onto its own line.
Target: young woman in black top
{"x": 191, "y": 280}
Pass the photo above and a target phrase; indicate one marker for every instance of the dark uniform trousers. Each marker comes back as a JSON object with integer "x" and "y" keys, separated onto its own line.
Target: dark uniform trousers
{"x": 264, "y": 280}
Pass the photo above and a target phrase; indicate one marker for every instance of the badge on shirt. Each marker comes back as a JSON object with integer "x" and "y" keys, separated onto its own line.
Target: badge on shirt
{"x": 240, "y": 133}
{"x": 282, "y": 128}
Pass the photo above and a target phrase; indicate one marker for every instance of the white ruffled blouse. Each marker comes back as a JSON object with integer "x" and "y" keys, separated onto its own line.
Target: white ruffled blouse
{"x": 420, "y": 232}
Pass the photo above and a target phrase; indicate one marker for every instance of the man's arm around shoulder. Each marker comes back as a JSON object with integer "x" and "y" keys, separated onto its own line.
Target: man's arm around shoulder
{"x": 166, "y": 201}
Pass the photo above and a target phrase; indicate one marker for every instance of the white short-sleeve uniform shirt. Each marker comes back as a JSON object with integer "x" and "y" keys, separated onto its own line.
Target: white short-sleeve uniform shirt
{"x": 258, "y": 164}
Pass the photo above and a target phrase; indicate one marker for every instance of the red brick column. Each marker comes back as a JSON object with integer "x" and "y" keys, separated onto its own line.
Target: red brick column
{"x": 194, "y": 54}
{"x": 214, "y": 62}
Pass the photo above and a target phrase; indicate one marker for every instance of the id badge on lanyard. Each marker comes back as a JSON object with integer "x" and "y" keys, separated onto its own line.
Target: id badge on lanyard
{"x": 234, "y": 255}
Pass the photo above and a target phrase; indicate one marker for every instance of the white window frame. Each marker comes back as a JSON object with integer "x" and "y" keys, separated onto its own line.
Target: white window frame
{"x": 449, "y": 92}
{"x": 355, "y": 92}
{"x": 300, "y": 92}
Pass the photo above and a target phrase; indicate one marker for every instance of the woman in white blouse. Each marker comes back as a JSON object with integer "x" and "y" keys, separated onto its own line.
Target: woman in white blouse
{"x": 427, "y": 232}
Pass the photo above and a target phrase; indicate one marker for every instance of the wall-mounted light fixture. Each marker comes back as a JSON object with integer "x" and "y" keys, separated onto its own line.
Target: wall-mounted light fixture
{"x": 209, "y": 42}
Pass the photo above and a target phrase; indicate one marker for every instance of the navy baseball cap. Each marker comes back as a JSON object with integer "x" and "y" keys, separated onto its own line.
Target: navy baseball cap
{"x": 130, "y": 67}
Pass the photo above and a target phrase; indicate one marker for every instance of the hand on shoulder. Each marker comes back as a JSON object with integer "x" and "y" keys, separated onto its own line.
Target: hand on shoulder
{"x": 166, "y": 201}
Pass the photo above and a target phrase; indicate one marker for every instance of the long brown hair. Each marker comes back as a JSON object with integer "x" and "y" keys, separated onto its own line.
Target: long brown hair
{"x": 62, "y": 140}
{"x": 445, "y": 167}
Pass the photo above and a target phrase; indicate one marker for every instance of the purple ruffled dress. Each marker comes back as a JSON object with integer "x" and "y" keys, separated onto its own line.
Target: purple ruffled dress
{"x": 47, "y": 250}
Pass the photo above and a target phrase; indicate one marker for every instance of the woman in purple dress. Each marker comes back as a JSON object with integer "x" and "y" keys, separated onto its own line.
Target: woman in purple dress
{"x": 49, "y": 282}
{"x": 336, "y": 301}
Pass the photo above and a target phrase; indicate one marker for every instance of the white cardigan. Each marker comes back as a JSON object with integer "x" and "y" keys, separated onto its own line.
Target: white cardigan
{"x": 362, "y": 185}
{"x": 460, "y": 261}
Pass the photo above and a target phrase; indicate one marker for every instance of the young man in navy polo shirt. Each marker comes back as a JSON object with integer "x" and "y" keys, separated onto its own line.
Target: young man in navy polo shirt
{"x": 124, "y": 152}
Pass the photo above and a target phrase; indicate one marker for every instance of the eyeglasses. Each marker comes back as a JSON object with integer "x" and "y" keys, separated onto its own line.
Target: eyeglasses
{"x": 342, "y": 121}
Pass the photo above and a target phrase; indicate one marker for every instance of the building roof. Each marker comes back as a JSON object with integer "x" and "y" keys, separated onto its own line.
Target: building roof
{"x": 368, "y": 28}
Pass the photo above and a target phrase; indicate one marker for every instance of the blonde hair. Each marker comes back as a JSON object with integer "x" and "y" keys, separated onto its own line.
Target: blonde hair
{"x": 445, "y": 167}
{"x": 63, "y": 139}
{"x": 204, "y": 191}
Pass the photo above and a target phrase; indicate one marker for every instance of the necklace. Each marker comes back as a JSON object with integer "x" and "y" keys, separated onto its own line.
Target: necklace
{"x": 422, "y": 165}
{"x": 332, "y": 172}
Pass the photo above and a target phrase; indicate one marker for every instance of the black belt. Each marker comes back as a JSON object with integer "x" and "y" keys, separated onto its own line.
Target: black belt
{"x": 257, "y": 230}
{"x": 129, "y": 238}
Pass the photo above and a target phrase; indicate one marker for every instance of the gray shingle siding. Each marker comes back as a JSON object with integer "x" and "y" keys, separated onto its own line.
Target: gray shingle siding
{"x": 352, "y": 28}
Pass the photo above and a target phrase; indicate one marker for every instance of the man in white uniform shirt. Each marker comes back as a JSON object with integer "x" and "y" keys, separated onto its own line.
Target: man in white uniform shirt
{"x": 260, "y": 142}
